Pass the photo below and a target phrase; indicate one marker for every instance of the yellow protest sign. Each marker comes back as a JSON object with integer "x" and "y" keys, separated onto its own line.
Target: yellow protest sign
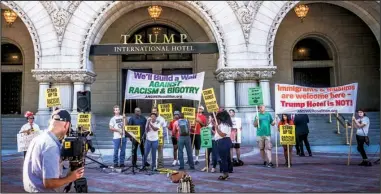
{"x": 210, "y": 100}
{"x": 287, "y": 135}
{"x": 134, "y": 131}
{"x": 190, "y": 114}
{"x": 161, "y": 137}
{"x": 84, "y": 121}
{"x": 165, "y": 110}
{"x": 52, "y": 96}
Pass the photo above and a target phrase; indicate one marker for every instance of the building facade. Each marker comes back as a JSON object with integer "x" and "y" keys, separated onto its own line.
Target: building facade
{"x": 259, "y": 43}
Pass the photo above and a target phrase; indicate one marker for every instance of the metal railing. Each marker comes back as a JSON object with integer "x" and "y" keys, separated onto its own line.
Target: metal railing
{"x": 341, "y": 120}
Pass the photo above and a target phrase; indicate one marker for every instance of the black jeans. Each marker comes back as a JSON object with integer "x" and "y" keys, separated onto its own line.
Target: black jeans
{"x": 297, "y": 145}
{"x": 214, "y": 152}
{"x": 135, "y": 146}
{"x": 304, "y": 138}
{"x": 224, "y": 146}
{"x": 360, "y": 146}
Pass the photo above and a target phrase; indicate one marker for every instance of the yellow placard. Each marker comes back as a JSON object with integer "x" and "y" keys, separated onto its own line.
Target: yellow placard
{"x": 84, "y": 121}
{"x": 287, "y": 134}
{"x": 189, "y": 114}
{"x": 161, "y": 137}
{"x": 52, "y": 96}
{"x": 134, "y": 131}
{"x": 210, "y": 100}
{"x": 165, "y": 110}
{"x": 67, "y": 144}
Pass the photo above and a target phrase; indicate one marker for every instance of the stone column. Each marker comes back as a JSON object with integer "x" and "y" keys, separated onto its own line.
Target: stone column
{"x": 222, "y": 95}
{"x": 242, "y": 88}
{"x": 43, "y": 112}
{"x": 229, "y": 95}
{"x": 265, "y": 85}
{"x": 66, "y": 95}
{"x": 78, "y": 86}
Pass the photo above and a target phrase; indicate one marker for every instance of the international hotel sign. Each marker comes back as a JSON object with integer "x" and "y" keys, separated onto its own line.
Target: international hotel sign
{"x": 167, "y": 46}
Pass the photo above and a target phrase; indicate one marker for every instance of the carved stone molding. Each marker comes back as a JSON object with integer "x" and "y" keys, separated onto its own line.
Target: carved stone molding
{"x": 245, "y": 15}
{"x": 60, "y": 16}
{"x": 62, "y": 76}
{"x": 238, "y": 74}
{"x": 32, "y": 30}
{"x": 12, "y": 68}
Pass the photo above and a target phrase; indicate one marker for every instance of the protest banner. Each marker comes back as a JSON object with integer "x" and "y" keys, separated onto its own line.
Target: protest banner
{"x": 152, "y": 86}
{"x": 23, "y": 140}
{"x": 84, "y": 121}
{"x": 210, "y": 100}
{"x": 52, "y": 96}
{"x": 294, "y": 99}
{"x": 206, "y": 137}
{"x": 134, "y": 131}
{"x": 165, "y": 110}
{"x": 190, "y": 114}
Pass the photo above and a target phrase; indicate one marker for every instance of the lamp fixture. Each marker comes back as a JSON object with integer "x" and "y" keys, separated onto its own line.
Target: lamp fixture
{"x": 10, "y": 16}
{"x": 301, "y": 11}
{"x": 156, "y": 30}
{"x": 154, "y": 11}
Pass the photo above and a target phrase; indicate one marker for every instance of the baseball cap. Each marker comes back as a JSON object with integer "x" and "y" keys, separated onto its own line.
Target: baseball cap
{"x": 201, "y": 107}
{"x": 61, "y": 115}
{"x": 176, "y": 112}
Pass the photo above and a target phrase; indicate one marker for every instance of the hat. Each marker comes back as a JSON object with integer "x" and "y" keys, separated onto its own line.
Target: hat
{"x": 29, "y": 114}
{"x": 201, "y": 107}
{"x": 176, "y": 113}
{"x": 61, "y": 115}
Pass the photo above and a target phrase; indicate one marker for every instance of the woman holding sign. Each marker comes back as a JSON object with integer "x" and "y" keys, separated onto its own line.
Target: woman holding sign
{"x": 224, "y": 143}
{"x": 30, "y": 126}
{"x": 287, "y": 150}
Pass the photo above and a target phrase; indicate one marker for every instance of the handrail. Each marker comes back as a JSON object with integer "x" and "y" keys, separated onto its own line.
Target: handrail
{"x": 340, "y": 120}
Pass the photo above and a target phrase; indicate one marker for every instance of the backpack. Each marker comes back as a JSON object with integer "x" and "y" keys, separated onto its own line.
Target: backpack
{"x": 183, "y": 125}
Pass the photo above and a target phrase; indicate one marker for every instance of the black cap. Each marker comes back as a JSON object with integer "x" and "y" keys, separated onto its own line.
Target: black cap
{"x": 61, "y": 115}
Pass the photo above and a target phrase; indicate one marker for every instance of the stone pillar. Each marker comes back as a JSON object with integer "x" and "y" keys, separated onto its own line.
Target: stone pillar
{"x": 66, "y": 95}
{"x": 88, "y": 87}
{"x": 222, "y": 95}
{"x": 78, "y": 86}
{"x": 43, "y": 113}
{"x": 242, "y": 88}
{"x": 265, "y": 85}
{"x": 229, "y": 95}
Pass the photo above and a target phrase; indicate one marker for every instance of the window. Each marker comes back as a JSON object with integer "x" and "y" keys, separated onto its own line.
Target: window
{"x": 160, "y": 30}
{"x": 10, "y": 55}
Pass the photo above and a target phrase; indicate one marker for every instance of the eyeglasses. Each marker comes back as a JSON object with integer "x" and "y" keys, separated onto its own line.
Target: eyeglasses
{"x": 30, "y": 118}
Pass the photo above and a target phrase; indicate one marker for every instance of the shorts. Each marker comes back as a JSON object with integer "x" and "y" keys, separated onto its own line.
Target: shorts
{"x": 264, "y": 142}
{"x": 236, "y": 145}
{"x": 197, "y": 141}
{"x": 174, "y": 140}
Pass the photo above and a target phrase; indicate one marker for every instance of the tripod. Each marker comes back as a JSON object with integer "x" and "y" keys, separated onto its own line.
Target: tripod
{"x": 132, "y": 154}
{"x": 101, "y": 164}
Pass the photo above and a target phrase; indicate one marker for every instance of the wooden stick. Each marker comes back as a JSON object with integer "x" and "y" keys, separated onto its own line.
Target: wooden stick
{"x": 346, "y": 132}
{"x": 330, "y": 118}
{"x": 337, "y": 122}
{"x": 350, "y": 142}
{"x": 194, "y": 134}
{"x": 288, "y": 156}
{"x": 124, "y": 122}
{"x": 276, "y": 147}
{"x": 206, "y": 160}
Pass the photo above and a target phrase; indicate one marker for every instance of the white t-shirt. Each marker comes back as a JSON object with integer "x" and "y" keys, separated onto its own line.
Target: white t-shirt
{"x": 116, "y": 122}
{"x": 224, "y": 129}
{"x": 237, "y": 124}
{"x": 27, "y": 126}
{"x": 364, "y": 120}
{"x": 163, "y": 122}
{"x": 151, "y": 134}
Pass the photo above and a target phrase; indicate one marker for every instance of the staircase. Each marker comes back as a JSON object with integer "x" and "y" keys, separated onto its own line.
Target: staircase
{"x": 10, "y": 126}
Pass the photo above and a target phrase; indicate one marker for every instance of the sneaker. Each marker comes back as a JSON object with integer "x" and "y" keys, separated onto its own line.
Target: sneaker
{"x": 174, "y": 163}
{"x": 264, "y": 163}
{"x": 368, "y": 163}
{"x": 122, "y": 166}
{"x": 363, "y": 163}
{"x": 310, "y": 155}
{"x": 178, "y": 162}
{"x": 213, "y": 170}
{"x": 116, "y": 165}
{"x": 270, "y": 165}
{"x": 204, "y": 169}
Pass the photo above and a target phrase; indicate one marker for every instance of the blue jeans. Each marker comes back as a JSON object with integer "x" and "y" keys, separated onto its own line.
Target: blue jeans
{"x": 224, "y": 146}
{"x": 122, "y": 150}
{"x": 215, "y": 155}
{"x": 185, "y": 141}
{"x": 150, "y": 146}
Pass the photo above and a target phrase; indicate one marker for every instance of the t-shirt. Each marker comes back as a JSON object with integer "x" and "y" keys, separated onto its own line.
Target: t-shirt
{"x": 172, "y": 127}
{"x": 224, "y": 129}
{"x": 151, "y": 134}
{"x": 138, "y": 120}
{"x": 265, "y": 120}
{"x": 198, "y": 126}
{"x": 28, "y": 126}
{"x": 116, "y": 122}
{"x": 365, "y": 120}
{"x": 42, "y": 161}
{"x": 237, "y": 124}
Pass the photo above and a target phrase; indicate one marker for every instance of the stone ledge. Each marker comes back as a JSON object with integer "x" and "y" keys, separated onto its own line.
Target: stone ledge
{"x": 254, "y": 73}
{"x": 64, "y": 75}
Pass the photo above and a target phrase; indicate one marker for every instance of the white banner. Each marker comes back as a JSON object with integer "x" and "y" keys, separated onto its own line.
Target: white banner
{"x": 306, "y": 100}
{"x": 153, "y": 86}
{"x": 23, "y": 140}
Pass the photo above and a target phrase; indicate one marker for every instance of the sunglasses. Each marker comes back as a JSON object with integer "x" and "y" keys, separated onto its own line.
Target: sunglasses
{"x": 30, "y": 118}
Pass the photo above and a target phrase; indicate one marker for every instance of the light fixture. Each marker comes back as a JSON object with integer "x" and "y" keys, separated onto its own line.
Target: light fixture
{"x": 154, "y": 11}
{"x": 156, "y": 30}
{"x": 10, "y": 17}
{"x": 15, "y": 57}
{"x": 301, "y": 11}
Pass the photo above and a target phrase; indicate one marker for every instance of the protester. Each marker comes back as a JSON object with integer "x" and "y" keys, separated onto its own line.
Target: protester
{"x": 152, "y": 139}
{"x": 119, "y": 140}
{"x": 140, "y": 120}
{"x": 195, "y": 135}
{"x": 224, "y": 143}
{"x": 297, "y": 147}
{"x": 362, "y": 125}
{"x": 30, "y": 126}
{"x": 285, "y": 120}
{"x": 213, "y": 150}
{"x": 236, "y": 138}
{"x": 163, "y": 125}
{"x": 264, "y": 135}
{"x": 182, "y": 130}
{"x": 41, "y": 170}
{"x": 171, "y": 127}
{"x": 301, "y": 130}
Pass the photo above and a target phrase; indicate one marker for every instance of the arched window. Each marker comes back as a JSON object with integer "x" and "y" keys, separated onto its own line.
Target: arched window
{"x": 10, "y": 55}
{"x": 160, "y": 30}
{"x": 310, "y": 49}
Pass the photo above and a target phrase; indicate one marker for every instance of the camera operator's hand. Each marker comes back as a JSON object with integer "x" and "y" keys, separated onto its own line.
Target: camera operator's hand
{"x": 76, "y": 174}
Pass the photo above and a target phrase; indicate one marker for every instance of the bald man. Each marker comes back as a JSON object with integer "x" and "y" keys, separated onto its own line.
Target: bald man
{"x": 140, "y": 120}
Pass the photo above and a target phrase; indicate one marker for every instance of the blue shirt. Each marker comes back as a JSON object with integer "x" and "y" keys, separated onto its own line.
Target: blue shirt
{"x": 138, "y": 120}
{"x": 42, "y": 161}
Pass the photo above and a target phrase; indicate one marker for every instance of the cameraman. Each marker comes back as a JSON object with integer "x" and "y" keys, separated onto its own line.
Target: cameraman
{"x": 41, "y": 171}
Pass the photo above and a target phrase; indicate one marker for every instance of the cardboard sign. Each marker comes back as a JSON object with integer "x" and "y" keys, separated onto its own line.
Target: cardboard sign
{"x": 165, "y": 110}
{"x": 210, "y": 100}
{"x": 255, "y": 96}
{"x": 84, "y": 121}
{"x": 161, "y": 137}
{"x": 134, "y": 131}
{"x": 287, "y": 135}
{"x": 23, "y": 140}
{"x": 206, "y": 137}
{"x": 52, "y": 96}
{"x": 189, "y": 114}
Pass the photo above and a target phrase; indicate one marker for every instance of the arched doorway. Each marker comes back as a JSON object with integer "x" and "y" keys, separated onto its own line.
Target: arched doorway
{"x": 11, "y": 82}
{"x": 313, "y": 63}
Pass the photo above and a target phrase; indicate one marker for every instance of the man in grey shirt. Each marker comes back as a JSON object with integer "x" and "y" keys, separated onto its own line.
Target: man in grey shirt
{"x": 41, "y": 171}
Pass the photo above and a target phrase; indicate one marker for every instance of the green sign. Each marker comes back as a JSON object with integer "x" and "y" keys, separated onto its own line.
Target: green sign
{"x": 206, "y": 137}
{"x": 255, "y": 96}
